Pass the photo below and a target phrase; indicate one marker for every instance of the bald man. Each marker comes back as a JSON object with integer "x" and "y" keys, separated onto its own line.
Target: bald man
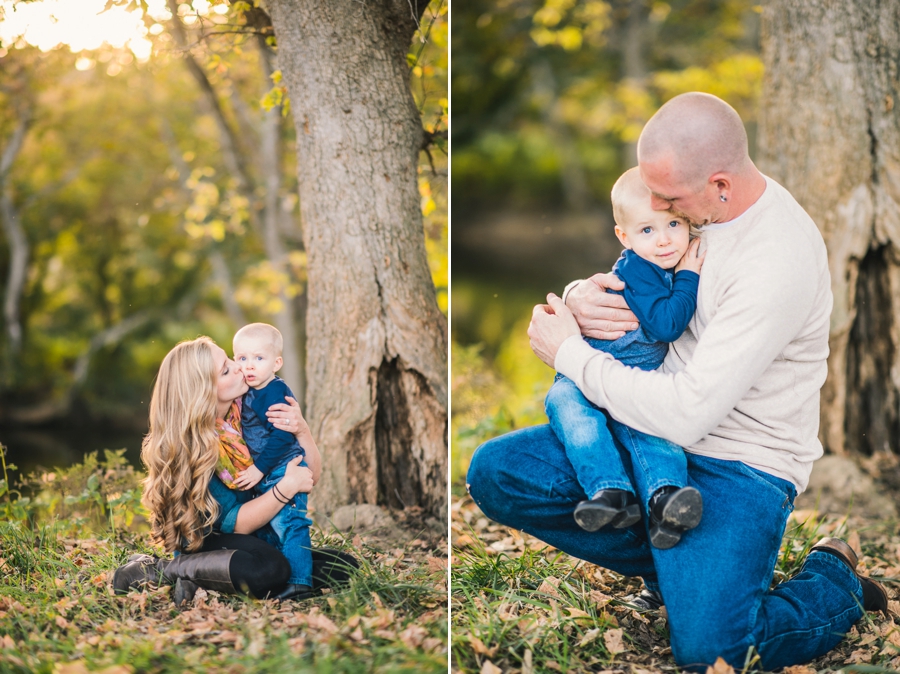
{"x": 739, "y": 390}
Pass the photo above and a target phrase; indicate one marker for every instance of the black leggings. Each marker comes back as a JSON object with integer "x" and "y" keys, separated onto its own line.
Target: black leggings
{"x": 256, "y": 567}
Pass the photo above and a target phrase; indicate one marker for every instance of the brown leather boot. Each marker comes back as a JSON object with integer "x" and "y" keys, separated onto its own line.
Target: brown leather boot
{"x": 874, "y": 595}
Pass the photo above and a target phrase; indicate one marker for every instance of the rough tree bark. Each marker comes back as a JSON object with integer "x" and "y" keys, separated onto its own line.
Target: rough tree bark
{"x": 830, "y": 133}
{"x": 377, "y": 342}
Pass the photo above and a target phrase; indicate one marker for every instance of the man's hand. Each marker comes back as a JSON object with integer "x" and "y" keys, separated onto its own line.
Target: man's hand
{"x": 248, "y": 478}
{"x": 691, "y": 260}
{"x": 551, "y": 325}
{"x": 600, "y": 314}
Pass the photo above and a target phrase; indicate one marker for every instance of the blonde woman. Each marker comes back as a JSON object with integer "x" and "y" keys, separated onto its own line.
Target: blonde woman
{"x": 219, "y": 535}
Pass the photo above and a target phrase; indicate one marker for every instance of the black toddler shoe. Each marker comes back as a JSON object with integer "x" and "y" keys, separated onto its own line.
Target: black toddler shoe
{"x": 615, "y": 507}
{"x": 672, "y": 512}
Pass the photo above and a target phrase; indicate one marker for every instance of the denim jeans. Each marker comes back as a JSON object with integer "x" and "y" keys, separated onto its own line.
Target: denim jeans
{"x": 715, "y": 582}
{"x": 586, "y": 432}
{"x": 291, "y": 527}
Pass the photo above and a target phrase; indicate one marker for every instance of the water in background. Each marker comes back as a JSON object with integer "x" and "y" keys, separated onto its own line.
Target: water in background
{"x": 32, "y": 449}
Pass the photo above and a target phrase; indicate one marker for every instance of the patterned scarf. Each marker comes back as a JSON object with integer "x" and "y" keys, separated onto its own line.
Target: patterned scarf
{"x": 233, "y": 453}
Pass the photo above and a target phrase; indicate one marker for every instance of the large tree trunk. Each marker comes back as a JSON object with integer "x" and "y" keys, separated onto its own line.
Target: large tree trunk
{"x": 377, "y": 343}
{"x": 830, "y": 133}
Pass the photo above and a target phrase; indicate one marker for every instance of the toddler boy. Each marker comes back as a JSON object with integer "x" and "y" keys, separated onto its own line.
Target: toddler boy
{"x": 257, "y": 351}
{"x": 656, "y": 243}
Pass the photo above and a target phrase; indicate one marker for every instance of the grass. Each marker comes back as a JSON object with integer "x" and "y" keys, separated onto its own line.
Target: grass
{"x": 519, "y": 605}
{"x": 57, "y": 615}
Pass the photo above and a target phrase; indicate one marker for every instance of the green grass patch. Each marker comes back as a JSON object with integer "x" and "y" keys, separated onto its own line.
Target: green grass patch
{"x": 60, "y": 544}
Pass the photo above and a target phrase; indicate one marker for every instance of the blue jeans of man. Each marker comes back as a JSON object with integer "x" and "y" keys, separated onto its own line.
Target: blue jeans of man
{"x": 715, "y": 582}
{"x": 291, "y": 526}
{"x": 586, "y": 431}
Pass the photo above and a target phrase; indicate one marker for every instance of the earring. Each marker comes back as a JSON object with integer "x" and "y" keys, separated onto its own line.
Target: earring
{"x": 722, "y": 197}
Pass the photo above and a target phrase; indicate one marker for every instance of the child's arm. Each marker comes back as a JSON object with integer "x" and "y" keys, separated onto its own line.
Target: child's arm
{"x": 663, "y": 314}
{"x": 278, "y": 443}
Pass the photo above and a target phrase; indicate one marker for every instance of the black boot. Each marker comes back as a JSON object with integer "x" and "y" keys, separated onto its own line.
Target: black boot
{"x": 672, "y": 512}
{"x": 332, "y": 568}
{"x": 296, "y": 592}
{"x": 609, "y": 506}
{"x": 648, "y": 600}
{"x": 137, "y": 572}
{"x": 209, "y": 570}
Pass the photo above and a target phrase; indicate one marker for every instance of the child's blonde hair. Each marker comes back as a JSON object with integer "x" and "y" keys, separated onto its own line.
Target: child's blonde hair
{"x": 627, "y": 189}
{"x": 262, "y": 331}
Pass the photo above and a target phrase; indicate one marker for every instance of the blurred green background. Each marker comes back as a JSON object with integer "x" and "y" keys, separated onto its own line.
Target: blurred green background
{"x": 141, "y": 227}
{"x": 549, "y": 98}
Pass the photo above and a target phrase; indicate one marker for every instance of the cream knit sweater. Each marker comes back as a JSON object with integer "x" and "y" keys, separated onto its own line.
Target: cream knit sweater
{"x": 742, "y": 383}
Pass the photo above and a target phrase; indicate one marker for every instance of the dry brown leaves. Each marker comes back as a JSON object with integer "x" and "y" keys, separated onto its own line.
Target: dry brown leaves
{"x": 634, "y": 639}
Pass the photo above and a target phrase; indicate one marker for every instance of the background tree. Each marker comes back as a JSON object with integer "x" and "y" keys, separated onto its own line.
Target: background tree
{"x": 830, "y": 133}
{"x": 176, "y": 215}
{"x": 377, "y": 343}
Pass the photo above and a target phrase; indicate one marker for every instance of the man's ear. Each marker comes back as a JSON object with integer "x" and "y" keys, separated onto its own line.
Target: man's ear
{"x": 623, "y": 237}
{"x": 278, "y": 363}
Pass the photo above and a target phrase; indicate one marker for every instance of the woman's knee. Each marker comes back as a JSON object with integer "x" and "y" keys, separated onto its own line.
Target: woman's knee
{"x": 259, "y": 575}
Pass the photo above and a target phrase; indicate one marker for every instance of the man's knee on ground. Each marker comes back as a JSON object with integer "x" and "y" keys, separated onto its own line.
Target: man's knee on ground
{"x": 704, "y": 647}
{"x": 481, "y": 479}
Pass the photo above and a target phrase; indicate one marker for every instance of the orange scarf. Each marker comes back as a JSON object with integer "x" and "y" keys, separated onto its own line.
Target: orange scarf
{"x": 233, "y": 453}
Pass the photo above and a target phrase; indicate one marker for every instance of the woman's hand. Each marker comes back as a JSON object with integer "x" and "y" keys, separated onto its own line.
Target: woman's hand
{"x": 297, "y": 479}
{"x": 287, "y": 417}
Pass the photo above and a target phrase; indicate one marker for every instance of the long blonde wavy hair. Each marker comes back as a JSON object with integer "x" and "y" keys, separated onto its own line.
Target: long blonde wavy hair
{"x": 182, "y": 447}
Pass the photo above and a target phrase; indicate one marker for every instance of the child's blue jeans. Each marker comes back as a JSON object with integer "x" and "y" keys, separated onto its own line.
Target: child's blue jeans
{"x": 586, "y": 431}
{"x": 291, "y": 526}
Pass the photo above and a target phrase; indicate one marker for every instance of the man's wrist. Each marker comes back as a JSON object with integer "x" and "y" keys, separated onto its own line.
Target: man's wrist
{"x": 569, "y": 288}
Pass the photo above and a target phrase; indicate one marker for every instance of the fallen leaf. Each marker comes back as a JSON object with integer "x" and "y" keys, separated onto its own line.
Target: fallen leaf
{"x": 589, "y": 636}
{"x": 7, "y": 642}
{"x": 549, "y": 586}
{"x": 720, "y": 667}
{"x": 413, "y": 636}
{"x": 613, "y": 641}
{"x": 437, "y": 565}
{"x": 61, "y": 622}
{"x": 70, "y": 668}
{"x": 479, "y": 647}
{"x": 798, "y": 669}
{"x": 490, "y": 668}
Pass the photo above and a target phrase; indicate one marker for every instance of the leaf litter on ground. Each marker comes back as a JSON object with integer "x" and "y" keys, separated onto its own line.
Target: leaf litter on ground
{"x": 520, "y": 605}
{"x": 58, "y": 614}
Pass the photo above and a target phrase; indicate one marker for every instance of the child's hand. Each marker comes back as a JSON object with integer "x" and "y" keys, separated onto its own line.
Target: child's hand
{"x": 692, "y": 259}
{"x": 248, "y": 478}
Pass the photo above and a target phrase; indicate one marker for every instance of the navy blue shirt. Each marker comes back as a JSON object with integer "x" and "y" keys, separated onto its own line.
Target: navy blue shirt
{"x": 663, "y": 301}
{"x": 269, "y": 446}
